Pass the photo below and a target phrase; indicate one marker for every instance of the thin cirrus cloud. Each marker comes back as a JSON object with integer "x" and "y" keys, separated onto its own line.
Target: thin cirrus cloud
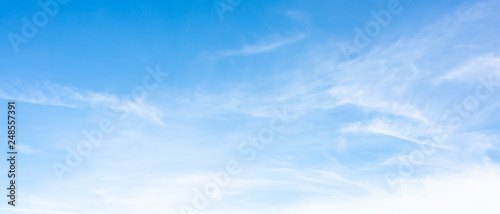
{"x": 406, "y": 100}
{"x": 264, "y": 46}
{"x": 353, "y": 121}
{"x": 487, "y": 65}
{"x": 45, "y": 93}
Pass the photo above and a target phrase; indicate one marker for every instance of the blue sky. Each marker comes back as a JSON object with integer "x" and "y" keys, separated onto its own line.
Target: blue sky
{"x": 408, "y": 124}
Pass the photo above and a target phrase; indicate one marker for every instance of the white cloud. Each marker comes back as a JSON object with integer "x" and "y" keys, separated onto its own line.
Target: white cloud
{"x": 23, "y": 148}
{"x": 412, "y": 132}
{"x": 297, "y": 15}
{"x": 475, "y": 68}
{"x": 263, "y": 47}
{"x": 473, "y": 191}
{"x": 57, "y": 95}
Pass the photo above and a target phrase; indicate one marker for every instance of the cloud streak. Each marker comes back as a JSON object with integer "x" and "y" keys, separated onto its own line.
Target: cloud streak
{"x": 264, "y": 46}
{"x": 57, "y": 95}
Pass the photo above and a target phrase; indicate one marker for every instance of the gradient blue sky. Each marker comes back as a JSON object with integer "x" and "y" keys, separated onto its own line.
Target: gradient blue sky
{"x": 352, "y": 121}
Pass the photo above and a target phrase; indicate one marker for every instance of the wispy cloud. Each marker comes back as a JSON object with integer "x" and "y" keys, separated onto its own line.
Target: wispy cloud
{"x": 269, "y": 45}
{"x": 339, "y": 108}
{"x": 473, "y": 69}
{"x": 45, "y": 93}
{"x": 297, "y": 15}
{"x": 396, "y": 128}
